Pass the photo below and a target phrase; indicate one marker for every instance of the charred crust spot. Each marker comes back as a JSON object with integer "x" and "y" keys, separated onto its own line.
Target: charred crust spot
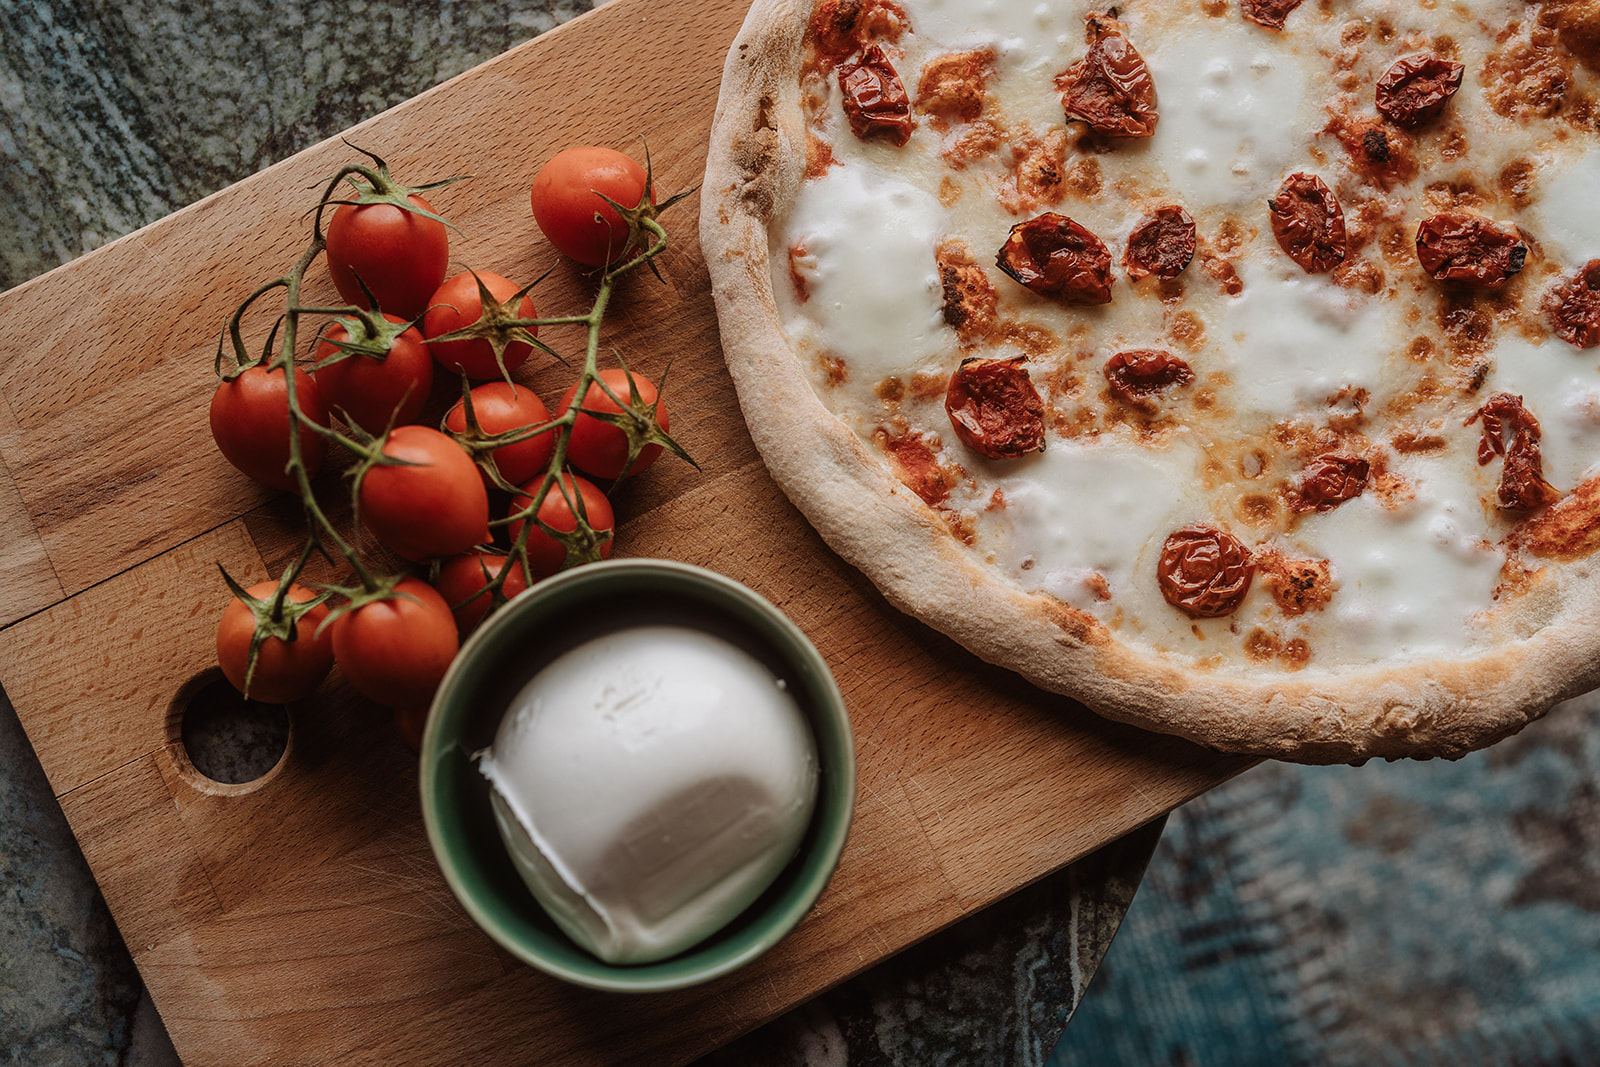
{"x": 1079, "y": 626}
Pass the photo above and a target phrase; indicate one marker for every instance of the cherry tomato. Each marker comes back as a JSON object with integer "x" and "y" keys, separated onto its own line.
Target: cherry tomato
{"x": 1056, "y": 257}
{"x": 285, "y": 670}
{"x": 400, "y": 255}
{"x": 875, "y": 99}
{"x": 1204, "y": 572}
{"x": 464, "y": 583}
{"x": 546, "y": 555}
{"x": 580, "y": 224}
{"x": 501, "y": 407}
{"x": 994, "y": 407}
{"x": 409, "y": 723}
{"x": 600, "y": 448}
{"x": 457, "y": 303}
{"x": 396, "y": 651}
{"x": 250, "y": 422}
{"x": 433, "y": 506}
{"x": 372, "y": 392}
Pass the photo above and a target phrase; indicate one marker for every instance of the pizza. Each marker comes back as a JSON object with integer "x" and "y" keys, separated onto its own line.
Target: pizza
{"x": 1231, "y": 367}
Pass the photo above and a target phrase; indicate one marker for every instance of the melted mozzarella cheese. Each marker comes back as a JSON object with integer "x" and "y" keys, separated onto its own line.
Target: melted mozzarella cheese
{"x": 1070, "y": 509}
{"x": 1216, "y": 141}
{"x": 1566, "y": 216}
{"x": 873, "y": 290}
{"x": 1409, "y": 581}
{"x": 1297, "y": 339}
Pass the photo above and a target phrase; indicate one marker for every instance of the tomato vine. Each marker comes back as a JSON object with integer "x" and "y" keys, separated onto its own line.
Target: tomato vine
{"x": 287, "y": 399}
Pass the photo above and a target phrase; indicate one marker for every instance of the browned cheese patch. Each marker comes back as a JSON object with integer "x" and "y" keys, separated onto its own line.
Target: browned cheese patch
{"x": 952, "y": 87}
{"x": 1038, "y": 171}
{"x": 1297, "y": 585}
{"x": 1529, "y": 74}
{"x": 1379, "y": 153}
{"x": 970, "y": 303}
{"x": 916, "y": 463}
{"x": 1565, "y": 531}
{"x": 1264, "y": 646}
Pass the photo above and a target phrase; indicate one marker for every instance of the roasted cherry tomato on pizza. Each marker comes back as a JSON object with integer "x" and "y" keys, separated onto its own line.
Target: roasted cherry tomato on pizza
{"x": 501, "y": 407}
{"x": 570, "y": 197}
{"x": 994, "y": 407}
{"x": 286, "y": 668}
{"x": 399, "y": 255}
{"x": 547, "y": 554}
{"x": 1110, "y": 88}
{"x": 1308, "y": 222}
{"x": 599, "y": 445}
{"x": 376, "y": 382}
{"x": 430, "y": 504}
{"x": 875, "y": 99}
{"x": 1058, "y": 257}
{"x": 1140, "y": 376}
{"x": 1574, "y": 306}
{"x": 459, "y": 305}
{"x": 1416, "y": 88}
{"x": 1328, "y": 481}
{"x": 1468, "y": 249}
{"x": 396, "y": 649}
{"x": 1162, "y": 244}
{"x": 1204, "y": 572}
{"x": 250, "y": 423}
{"x": 1511, "y": 430}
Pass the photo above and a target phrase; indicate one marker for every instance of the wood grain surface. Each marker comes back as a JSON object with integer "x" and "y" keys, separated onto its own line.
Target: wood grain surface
{"x": 301, "y": 919}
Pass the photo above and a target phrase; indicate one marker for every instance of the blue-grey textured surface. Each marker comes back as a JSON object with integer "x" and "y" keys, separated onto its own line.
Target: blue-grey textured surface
{"x": 1427, "y": 914}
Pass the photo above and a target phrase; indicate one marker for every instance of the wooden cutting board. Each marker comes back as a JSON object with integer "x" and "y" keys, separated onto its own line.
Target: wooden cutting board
{"x": 300, "y": 919}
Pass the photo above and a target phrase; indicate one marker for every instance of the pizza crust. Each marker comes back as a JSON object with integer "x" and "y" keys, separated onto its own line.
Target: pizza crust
{"x": 1426, "y": 708}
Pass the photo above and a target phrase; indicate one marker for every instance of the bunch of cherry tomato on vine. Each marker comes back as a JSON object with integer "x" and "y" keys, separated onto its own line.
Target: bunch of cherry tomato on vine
{"x": 429, "y": 494}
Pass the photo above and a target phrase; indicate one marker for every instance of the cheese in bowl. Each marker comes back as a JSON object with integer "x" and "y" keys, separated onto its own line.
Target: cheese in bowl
{"x": 638, "y": 776}
{"x": 650, "y": 784}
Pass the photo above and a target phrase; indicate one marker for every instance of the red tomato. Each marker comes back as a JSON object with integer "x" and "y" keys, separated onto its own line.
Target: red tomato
{"x": 546, "y": 555}
{"x": 464, "y": 584}
{"x": 565, "y": 205}
{"x": 400, "y": 255}
{"x": 435, "y": 506}
{"x": 409, "y": 723}
{"x": 457, "y": 303}
{"x": 501, "y": 407}
{"x": 371, "y": 391}
{"x": 396, "y": 651}
{"x": 285, "y": 670}
{"x": 600, "y": 448}
{"x": 250, "y": 422}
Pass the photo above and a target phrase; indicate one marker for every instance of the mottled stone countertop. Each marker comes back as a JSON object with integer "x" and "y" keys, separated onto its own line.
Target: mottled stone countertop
{"x": 113, "y": 115}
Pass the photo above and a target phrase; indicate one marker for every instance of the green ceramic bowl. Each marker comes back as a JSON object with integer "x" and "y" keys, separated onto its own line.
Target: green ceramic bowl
{"x": 558, "y": 614}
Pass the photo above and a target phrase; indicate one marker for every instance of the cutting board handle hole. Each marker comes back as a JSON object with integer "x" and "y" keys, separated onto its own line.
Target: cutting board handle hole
{"x": 222, "y": 742}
